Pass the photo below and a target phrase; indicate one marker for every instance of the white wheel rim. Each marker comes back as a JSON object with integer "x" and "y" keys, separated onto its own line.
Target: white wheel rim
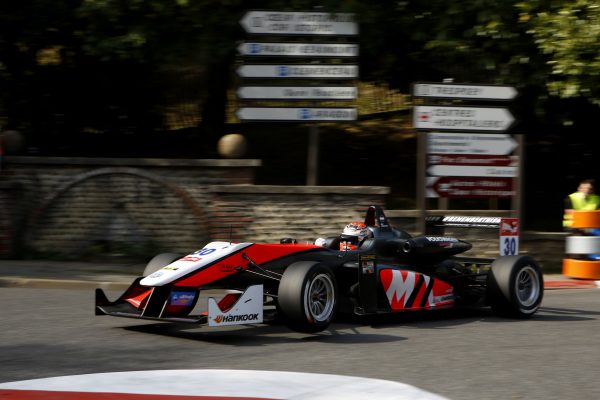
{"x": 319, "y": 298}
{"x": 527, "y": 286}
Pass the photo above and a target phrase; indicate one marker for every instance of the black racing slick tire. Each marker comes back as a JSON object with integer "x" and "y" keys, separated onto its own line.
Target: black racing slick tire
{"x": 307, "y": 296}
{"x": 159, "y": 261}
{"x": 515, "y": 286}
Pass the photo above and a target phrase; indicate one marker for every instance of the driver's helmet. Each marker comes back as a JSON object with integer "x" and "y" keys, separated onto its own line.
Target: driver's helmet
{"x": 353, "y": 235}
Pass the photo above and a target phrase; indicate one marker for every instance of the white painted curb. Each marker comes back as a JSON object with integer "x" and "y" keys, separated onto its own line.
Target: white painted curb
{"x": 229, "y": 383}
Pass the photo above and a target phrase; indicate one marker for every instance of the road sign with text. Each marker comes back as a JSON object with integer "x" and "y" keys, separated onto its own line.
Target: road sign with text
{"x": 470, "y": 187}
{"x": 298, "y": 92}
{"x": 462, "y": 118}
{"x": 298, "y": 49}
{"x": 460, "y": 91}
{"x": 296, "y": 71}
{"x": 299, "y": 23}
{"x": 297, "y": 114}
{"x": 470, "y": 143}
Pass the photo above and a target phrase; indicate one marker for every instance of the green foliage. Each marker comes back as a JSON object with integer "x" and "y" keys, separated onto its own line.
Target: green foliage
{"x": 70, "y": 68}
{"x": 568, "y": 33}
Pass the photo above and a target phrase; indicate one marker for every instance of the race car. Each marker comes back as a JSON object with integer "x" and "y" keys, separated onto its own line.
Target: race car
{"x": 306, "y": 285}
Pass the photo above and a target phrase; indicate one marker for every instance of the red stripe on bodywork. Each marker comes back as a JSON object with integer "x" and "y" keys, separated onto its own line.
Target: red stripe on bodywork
{"x": 9, "y": 394}
{"x": 259, "y": 253}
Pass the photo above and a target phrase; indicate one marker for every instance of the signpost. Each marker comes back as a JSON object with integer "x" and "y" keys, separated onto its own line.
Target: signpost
{"x": 470, "y": 143}
{"x": 467, "y": 152}
{"x": 469, "y": 187}
{"x": 299, "y": 23}
{"x": 297, "y": 114}
{"x": 470, "y": 170}
{"x": 321, "y": 62}
{"x": 462, "y": 118}
{"x": 456, "y": 91}
{"x": 298, "y": 49}
{"x": 298, "y": 71}
{"x": 298, "y": 92}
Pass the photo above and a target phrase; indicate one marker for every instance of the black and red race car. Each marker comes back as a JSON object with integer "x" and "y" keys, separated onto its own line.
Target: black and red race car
{"x": 307, "y": 285}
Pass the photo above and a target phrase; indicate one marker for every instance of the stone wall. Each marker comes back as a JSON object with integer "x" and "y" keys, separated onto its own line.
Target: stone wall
{"x": 269, "y": 213}
{"x": 80, "y": 208}
{"x": 88, "y": 208}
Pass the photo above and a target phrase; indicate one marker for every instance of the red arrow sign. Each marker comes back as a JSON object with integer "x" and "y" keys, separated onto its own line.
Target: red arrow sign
{"x": 472, "y": 187}
{"x": 472, "y": 159}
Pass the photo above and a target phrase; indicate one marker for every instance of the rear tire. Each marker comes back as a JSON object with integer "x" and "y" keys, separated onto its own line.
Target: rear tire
{"x": 307, "y": 296}
{"x": 159, "y": 261}
{"x": 515, "y": 286}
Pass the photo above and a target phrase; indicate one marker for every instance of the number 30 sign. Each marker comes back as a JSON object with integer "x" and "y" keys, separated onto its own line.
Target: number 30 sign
{"x": 509, "y": 236}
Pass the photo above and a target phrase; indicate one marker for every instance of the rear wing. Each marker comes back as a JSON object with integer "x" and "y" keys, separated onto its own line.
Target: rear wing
{"x": 435, "y": 224}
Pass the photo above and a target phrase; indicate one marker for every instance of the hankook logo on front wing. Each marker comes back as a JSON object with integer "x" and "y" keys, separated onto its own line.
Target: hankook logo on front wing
{"x": 236, "y": 318}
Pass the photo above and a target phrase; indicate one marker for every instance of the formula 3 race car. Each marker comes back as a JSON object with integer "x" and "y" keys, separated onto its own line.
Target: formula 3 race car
{"x": 307, "y": 285}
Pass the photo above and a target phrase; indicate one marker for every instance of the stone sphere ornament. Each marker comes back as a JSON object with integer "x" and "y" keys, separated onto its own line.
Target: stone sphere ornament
{"x": 232, "y": 145}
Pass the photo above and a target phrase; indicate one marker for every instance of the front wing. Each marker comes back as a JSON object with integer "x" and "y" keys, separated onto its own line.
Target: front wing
{"x": 176, "y": 304}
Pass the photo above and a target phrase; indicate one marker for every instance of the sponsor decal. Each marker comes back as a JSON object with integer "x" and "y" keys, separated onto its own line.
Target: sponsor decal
{"x": 170, "y": 268}
{"x": 441, "y": 239}
{"x": 226, "y": 268}
{"x": 157, "y": 274}
{"x": 473, "y": 220}
{"x": 411, "y": 290}
{"x": 247, "y": 309}
{"x": 367, "y": 263}
{"x": 182, "y": 298}
{"x": 221, "y": 319}
{"x": 191, "y": 258}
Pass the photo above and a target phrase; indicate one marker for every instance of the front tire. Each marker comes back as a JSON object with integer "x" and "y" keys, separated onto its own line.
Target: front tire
{"x": 515, "y": 286}
{"x": 307, "y": 296}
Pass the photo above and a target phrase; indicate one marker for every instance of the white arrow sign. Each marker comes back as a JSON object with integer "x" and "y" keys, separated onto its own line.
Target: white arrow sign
{"x": 298, "y": 92}
{"x": 470, "y": 143}
{"x": 298, "y": 71}
{"x": 299, "y": 23}
{"x": 462, "y": 118}
{"x": 467, "y": 170}
{"x": 299, "y": 49}
{"x": 452, "y": 91}
{"x": 296, "y": 114}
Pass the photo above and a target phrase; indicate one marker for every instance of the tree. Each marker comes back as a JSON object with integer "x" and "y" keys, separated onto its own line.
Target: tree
{"x": 568, "y": 33}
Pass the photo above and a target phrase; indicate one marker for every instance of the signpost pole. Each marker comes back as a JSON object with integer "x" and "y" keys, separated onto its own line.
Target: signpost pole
{"x": 517, "y": 200}
{"x": 312, "y": 166}
{"x": 421, "y": 176}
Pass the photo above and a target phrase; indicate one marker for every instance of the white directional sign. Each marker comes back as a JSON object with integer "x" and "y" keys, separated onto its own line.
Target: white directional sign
{"x": 462, "y": 118}
{"x": 295, "y": 114}
{"x": 298, "y": 92}
{"x": 299, "y": 71}
{"x": 470, "y": 143}
{"x": 299, "y": 23}
{"x": 299, "y": 49}
{"x": 453, "y": 91}
{"x": 468, "y": 170}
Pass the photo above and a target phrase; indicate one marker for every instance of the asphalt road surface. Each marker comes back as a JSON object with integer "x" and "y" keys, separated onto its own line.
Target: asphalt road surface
{"x": 460, "y": 355}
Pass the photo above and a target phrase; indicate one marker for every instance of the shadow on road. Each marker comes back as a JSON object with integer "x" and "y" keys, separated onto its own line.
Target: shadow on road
{"x": 260, "y": 335}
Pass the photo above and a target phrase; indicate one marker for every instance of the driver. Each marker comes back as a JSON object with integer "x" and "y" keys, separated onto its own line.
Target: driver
{"x": 354, "y": 235}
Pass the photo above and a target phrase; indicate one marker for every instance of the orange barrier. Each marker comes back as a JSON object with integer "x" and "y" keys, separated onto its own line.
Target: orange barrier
{"x": 586, "y": 219}
{"x": 582, "y": 247}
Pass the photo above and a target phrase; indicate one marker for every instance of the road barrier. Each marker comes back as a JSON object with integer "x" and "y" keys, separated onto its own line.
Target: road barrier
{"x": 583, "y": 248}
